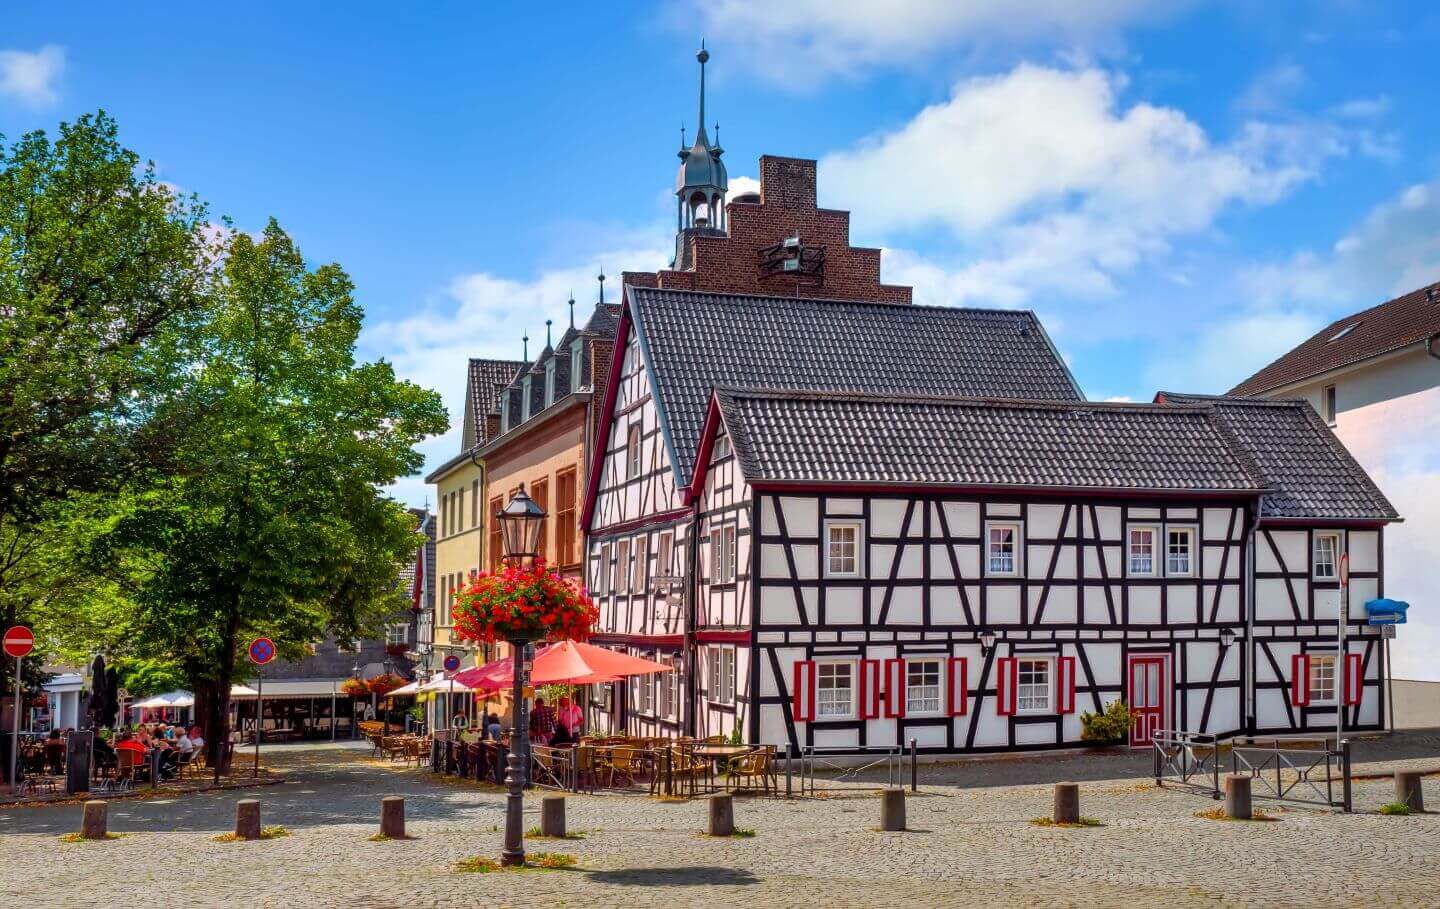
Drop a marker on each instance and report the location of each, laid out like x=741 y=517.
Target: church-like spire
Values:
x=701 y=183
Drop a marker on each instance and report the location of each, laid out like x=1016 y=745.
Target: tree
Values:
x=272 y=521
x=103 y=273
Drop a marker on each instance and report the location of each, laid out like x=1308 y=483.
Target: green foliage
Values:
x=104 y=272
x=553 y=693
x=1109 y=727
x=1397 y=808
x=737 y=735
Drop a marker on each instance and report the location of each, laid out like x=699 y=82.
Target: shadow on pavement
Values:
x=692 y=876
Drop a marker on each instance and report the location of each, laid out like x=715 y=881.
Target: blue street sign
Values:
x=1386 y=612
x=452 y=663
x=262 y=651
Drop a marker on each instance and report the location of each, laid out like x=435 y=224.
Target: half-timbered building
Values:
x=850 y=521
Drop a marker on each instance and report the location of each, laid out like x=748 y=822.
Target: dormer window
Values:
x=505 y=413
x=550 y=382
x=576 y=353
x=525 y=399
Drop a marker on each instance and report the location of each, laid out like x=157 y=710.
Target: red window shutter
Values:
x=894 y=688
x=1354 y=679
x=804 y=693
x=1067 y=685
x=1300 y=680
x=1006 y=671
x=870 y=691
x=959 y=687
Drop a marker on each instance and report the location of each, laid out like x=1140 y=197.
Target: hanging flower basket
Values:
x=384 y=683
x=355 y=688
x=523 y=604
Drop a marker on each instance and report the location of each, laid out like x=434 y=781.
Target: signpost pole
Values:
x=259 y=715
x=15 y=736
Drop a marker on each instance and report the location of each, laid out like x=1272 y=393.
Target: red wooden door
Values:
x=1149 y=693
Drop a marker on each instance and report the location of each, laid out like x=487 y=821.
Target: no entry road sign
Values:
x=452 y=663
x=262 y=651
x=19 y=641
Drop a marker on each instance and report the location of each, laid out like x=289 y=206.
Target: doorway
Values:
x=1149 y=693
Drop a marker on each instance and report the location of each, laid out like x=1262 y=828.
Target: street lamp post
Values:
x=521 y=521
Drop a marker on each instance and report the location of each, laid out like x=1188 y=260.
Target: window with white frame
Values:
x=721 y=450
x=842 y=549
x=550 y=381
x=1002 y=549
x=835 y=690
x=397 y=635
x=666 y=682
x=632 y=358
x=922 y=687
x=1179 y=551
x=722 y=554
x=632 y=452
x=645 y=693
x=525 y=399
x=637 y=574
x=602 y=570
x=620 y=577
x=576 y=352
x=1033 y=684
x=1327 y=556
x=1322 y=678
x=1141 y=552
x=664 y=551
x=722 y=674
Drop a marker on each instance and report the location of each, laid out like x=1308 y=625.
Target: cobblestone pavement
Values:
x=967 y=846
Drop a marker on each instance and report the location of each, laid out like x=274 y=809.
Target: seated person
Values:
x=197 y=741
x=128 y=742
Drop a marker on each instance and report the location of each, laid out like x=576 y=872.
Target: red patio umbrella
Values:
x=567 y=662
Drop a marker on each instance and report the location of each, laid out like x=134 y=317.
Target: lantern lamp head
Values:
x=521 y=521
x=987 y=641
x=1227 y=637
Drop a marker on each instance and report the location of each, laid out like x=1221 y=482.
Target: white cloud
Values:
x=32 y=77
x=1227 y=350
x=800 y=42
x=1049 y=182
x=482 y=314
x=1396 y=248
x=1362 y=108
x=1273 y=89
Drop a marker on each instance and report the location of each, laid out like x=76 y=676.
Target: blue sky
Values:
x=1180 y=189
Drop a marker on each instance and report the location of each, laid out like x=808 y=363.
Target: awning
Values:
x=167 y=700
x=294 y=688
x=566 y=662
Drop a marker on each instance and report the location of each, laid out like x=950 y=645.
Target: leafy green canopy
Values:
x=272 y=522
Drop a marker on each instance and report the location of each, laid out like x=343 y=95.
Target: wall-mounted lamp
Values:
x=1227 y=637
x=987 y=642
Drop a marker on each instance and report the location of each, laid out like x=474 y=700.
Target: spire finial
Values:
x=572 y=309
x=525 y=347
x=702 y=56
x=602 y=286
x=547 y=334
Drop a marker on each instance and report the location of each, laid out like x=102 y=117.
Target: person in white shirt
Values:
x=184 y=744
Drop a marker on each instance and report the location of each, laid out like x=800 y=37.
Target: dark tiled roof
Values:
x=838 y=437
x=1308 y=470
x=696 y=342
x=1403 y=321
x=603 y=320
x=488 y=379
x=407 y=574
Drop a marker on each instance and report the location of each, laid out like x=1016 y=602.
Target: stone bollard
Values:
x=247 y=819
x=93 y=823
x=1237 y=796
x=1408 y=790
x=1067 y=803
x=552 y=816
x=392 y=817
x=892 y=809
x=722 y=816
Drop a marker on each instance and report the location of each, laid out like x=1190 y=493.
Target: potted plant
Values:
x=1110 y=726
x=355 y=688
x=523 y=605
x=384 y=683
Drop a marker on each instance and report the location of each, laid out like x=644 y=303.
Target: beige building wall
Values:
x=549 y=459
x=461 y=520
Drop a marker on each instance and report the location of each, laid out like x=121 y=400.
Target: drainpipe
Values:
x=690 y=657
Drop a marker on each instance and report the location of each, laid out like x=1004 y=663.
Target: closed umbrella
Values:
x=95 y=706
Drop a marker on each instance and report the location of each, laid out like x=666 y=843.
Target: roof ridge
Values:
x=779 y=393
x=888 y=304
x=1238 y=400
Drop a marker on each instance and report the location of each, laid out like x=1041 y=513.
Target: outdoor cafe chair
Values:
x=123 y=777
x=756 y=766
x=621 y=763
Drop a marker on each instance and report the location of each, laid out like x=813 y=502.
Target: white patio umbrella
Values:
x=411 y=688
x=168 y=699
